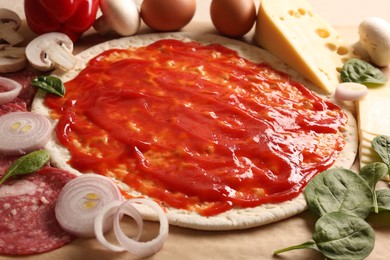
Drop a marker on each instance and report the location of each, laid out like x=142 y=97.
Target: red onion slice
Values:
x=23 y=132
x=350 y=91
x=80 y=202
x=141 y=249
x=104 y=216
x=13 y=89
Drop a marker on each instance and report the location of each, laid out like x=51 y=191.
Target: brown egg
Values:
x=167 y=15
x=233 y=18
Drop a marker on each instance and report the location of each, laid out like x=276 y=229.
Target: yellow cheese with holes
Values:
x=374 y=119
x=303 y=40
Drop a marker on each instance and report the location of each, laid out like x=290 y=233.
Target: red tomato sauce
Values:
x=197 y=127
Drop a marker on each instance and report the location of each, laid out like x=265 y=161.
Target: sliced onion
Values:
x=13 y=88
x=141 y=249
x=106 y=212
x=23 y=132
x=350 y=91
x=81 y=200
x=132 y=245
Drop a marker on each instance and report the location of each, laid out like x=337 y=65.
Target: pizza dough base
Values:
x=238 y=218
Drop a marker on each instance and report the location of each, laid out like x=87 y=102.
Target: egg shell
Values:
x=233 y=18
x=167 y=15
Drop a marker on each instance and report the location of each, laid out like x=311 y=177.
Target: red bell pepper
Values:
x=72 y=17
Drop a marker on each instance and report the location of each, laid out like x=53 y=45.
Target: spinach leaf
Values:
x=339 y=190
x=28 y=163
x=372 y=173
x=383 y=198
x=381 y=145
x=359 y=71
x=340 y=236
x=50 y=84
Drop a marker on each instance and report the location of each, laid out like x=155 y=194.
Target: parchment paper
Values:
x=255 y=243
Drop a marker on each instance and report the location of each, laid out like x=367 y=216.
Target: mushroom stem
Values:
x=12 y=58
x=9 y=24
x=8 y=34
x=8 y=51
x=60 y=56
x=51 y=50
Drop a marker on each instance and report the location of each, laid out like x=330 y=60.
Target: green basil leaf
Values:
x=342 y=236
x=50 y=84
x=383 y=198
x=309 y=244
x=359 y=71
x=372 y=173
x=26 y=164
x=339 y=190
x=381 y=145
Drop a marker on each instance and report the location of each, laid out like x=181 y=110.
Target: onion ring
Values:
x=81 y=200
x=141 y=249
x=350 y=91
x=23 y=132
x=13 y=88
x=108 y=211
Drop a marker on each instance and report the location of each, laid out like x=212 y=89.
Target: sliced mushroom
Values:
x=12 y=58
x=51 y=50
x=9 y=24
x=121 y=16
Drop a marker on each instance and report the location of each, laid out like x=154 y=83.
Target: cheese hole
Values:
x=302 y=11
x=331 y=46
x=323 y=33
x=342 y=50
x=344 y=60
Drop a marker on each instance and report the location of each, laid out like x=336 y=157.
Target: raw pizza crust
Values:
x=241 y=218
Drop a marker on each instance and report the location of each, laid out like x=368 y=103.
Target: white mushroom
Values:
x=12 y=58
x=51 y=50
x=121 y=16
x=9 y=24
x=374 y=34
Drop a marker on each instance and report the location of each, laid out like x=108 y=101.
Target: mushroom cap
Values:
x=121 y=15
x=374 y=34
x=9 y=16
x=39 y=50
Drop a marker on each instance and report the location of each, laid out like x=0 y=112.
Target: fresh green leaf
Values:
x=372 y=173
x=50 y=84
x=359 y=71
x=307 y=245
x=339 y=236
x=339 y=190
x=381 y=145
x=26 y=164
x=342 y=236
x=383 y=198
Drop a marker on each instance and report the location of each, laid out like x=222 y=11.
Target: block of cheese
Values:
x=374 y=119
x=293 y=32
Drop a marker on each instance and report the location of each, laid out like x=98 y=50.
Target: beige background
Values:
x=256 y=243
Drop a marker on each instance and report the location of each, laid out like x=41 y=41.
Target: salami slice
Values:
x=24 y=77
x=28 y=224
x=16 y=105
x=5 y=163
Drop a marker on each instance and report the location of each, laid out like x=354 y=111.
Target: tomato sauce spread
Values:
x=196 y=127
